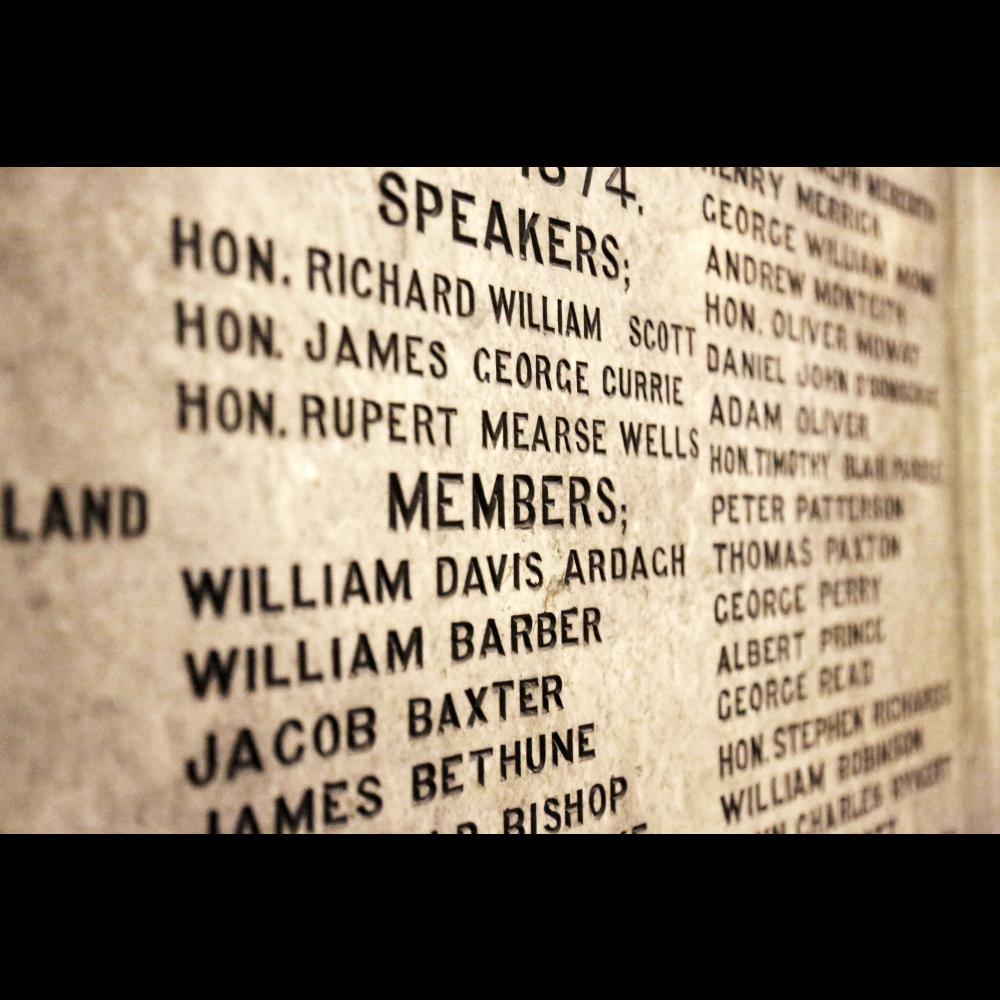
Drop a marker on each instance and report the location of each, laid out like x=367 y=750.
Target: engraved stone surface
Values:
x=504 y=500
